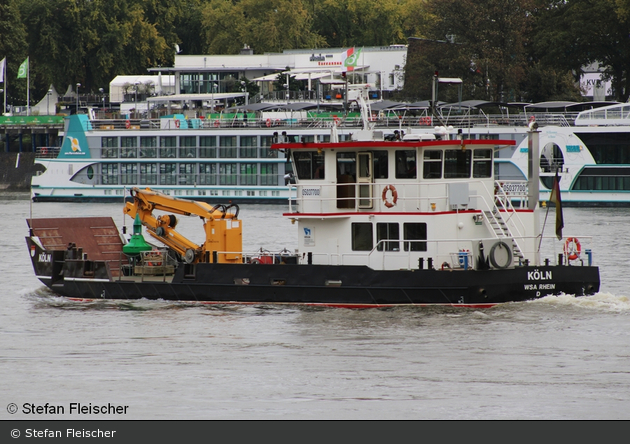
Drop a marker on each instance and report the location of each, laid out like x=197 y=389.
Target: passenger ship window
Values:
x=248 y=147
x=265 y=144
x=227 y=174
x=406 y=164
x=109 y=173
x=207 y=174
x=109 y=147
x=269 y=174
x=128 y=147
x=482 y=163
x=168 y=146
x=227 y=147
x=249 y=174
x=362 y=238
x=148 y=174
x=389 y=234
x=168 y=174
x=187 y=146
x=457 y=164
x=187 y=174
x=128 y=173
x=208 y=146
x=415 y=232
x=309 y=164
x=432 y=164
x=148 y=146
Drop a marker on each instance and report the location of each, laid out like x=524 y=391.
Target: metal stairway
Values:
x=502 y=231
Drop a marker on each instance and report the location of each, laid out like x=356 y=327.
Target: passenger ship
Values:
x=232 y=161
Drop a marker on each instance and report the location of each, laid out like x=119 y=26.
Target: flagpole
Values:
x=28 y=86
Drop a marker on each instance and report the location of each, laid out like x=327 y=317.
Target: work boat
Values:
x=381 y=223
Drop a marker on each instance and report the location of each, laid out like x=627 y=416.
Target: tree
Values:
x=13 y=46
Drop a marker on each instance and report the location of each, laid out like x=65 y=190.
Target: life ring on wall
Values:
x=386 y=202
x=572 y=248
x=336 y=120
x=127 y=124
x=217 y=123
x=176 y=123
x=268 y=123
x=44 y=150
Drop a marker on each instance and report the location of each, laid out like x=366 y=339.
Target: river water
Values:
x=555 y=358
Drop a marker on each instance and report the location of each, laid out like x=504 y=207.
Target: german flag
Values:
x=555 y=198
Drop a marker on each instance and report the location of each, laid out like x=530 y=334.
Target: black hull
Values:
x=342 y=285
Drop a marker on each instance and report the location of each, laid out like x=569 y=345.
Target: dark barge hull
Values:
x=341 y=286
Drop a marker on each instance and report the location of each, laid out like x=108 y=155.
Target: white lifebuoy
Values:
x=572 y=248
x=386 y=201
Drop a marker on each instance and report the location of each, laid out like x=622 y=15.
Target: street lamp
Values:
x=136 y=100
x=48 y=101
x=78 y=85
x=103 y=98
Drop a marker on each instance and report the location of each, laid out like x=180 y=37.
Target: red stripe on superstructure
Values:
x=387 y=144
x=397 y=213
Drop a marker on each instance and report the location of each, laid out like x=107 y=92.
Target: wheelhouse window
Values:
x=482 y=163
x=362 y=238
x=309 y=164
x=387 y=236
x=415 y=232
x=457 y=164
x=432 y=164
x=379 y=159
x=406 y=164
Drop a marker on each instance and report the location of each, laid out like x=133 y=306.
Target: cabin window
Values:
x=128 y=147
x=415 y=232
x=482 y=163
x=432 y=164
x=248 y=147
x=168 y=146
x=457 y=164
x=148 y=174
x=187 y=174
x=265 y=144
x=362 y=239
x=309 y=164
x=207 y=146
x=188 y=146
x=207 y=174
x=148 y=146
x=269 y=174
x=109 y=173
x=109 y=147
x=249 y=174
x=227 y=147
x=168 y=174
x=227 y=174
x=128 y=173
x=380 y=166
x=387 y=236
x=406 y=164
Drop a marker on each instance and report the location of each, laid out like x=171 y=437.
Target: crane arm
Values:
x=222 y=228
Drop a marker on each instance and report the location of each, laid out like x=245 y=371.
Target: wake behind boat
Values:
x=381 y=223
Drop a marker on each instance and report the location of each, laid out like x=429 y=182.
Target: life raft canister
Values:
x=572 y=248
x=387 y=202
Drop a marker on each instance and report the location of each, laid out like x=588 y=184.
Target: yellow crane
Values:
x=224 y=240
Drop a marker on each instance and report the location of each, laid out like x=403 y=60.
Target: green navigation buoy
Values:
x=136 y=244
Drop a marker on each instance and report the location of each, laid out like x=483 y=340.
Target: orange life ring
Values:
x=176 y=123
x=127 y=124
x=572 y=248
x=387 y=203
x=44 y=150
x=336 y=120
x=217 y=123
x=268 y=123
